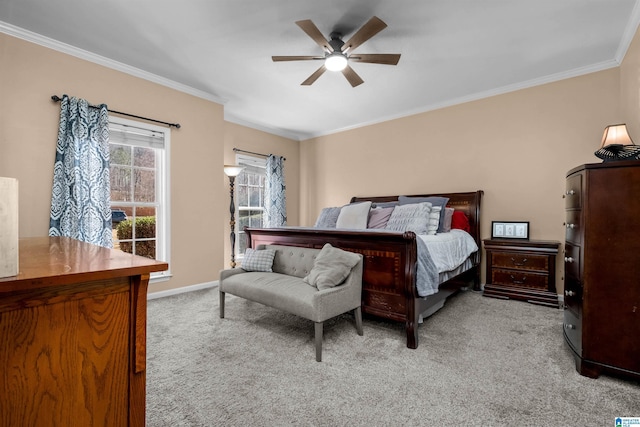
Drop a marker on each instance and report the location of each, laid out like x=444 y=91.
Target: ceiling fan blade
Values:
x=313 y=77
x=294 y=58
x=352 y=76
x=368 y=30
x=376 y=58
x=312 y=31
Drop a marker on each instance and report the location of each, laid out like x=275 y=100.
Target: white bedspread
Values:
x=449 y=250
x=439 y=253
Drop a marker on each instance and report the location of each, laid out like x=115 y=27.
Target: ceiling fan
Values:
x=338 y=54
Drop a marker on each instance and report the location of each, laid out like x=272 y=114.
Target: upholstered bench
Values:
x=316 y=284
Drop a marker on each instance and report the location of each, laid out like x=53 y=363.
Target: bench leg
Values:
x=222 y=305
x=318 y=328
x=358 y=315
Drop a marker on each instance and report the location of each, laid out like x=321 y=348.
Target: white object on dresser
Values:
x=8 y=227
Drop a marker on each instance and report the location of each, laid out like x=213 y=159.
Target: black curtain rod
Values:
x=237 y=150
x=56 y=98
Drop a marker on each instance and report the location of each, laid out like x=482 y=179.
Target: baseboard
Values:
x=176 y=291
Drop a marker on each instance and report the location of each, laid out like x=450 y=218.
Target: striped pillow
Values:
x=258 y=260
x=413 y=217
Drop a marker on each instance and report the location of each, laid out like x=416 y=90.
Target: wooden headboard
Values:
x=469 y=203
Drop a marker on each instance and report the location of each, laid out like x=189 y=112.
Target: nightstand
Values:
x=522 y=269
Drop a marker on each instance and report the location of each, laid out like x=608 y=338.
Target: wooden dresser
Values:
x=602 y=268
x=522 y=269
x=73 y=336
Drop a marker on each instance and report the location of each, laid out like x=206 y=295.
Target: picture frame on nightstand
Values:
x=510 y=230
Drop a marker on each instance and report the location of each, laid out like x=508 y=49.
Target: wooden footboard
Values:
x=389 y=269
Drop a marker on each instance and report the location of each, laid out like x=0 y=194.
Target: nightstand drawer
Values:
x=520 y=261
x=519 y=278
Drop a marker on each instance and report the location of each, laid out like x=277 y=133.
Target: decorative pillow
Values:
x=412 y=217
x=258 y=260
x=434 y=218
x=328 y=217
x=448 y=215
x=460 y=221
x=331 y=267
x=434 y=200
x=379 y=217
x=354 y=216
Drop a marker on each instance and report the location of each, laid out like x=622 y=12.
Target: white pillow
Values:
x=413 y=217
x=354 y=216
x=434 y=220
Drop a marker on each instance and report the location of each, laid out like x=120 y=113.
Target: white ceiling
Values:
x=452 y=50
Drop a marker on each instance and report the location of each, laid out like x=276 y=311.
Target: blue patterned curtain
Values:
x=80 y=198
x=275 y=202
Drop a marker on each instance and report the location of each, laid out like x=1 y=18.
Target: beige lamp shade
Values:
x=616 y=135
x=617 y=145
x=232 y=170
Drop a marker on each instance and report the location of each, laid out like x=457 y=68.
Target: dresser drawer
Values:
x=572 y=261
x=519 y=278
x=573 y=194
x=573 y=227
x=520 y=261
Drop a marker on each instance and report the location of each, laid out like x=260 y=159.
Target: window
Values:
x=139 y=190
x=249 y=196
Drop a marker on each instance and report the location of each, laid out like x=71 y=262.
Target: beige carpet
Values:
x=481 y=362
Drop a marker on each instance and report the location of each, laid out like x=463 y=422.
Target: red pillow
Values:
x=460 y=221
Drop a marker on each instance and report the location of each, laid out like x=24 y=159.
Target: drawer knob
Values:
x=569 y=293
x=569 y=326
x=519 y=263
x=516 y=281
x=568 y=259
x=570 y=225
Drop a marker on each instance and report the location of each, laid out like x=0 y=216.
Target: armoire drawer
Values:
x=573 y=227
x=572 y=326
x=573 y=194
x=572 y=261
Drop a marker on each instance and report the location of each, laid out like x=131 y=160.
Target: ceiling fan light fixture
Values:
x=336 y=61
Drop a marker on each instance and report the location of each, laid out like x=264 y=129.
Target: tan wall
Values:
x=30 y=74
x=248 y=139
x=516 y=147
x=630 y=89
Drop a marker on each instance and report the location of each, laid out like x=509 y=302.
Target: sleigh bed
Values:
x=390 y=270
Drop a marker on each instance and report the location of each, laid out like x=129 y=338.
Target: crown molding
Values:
x=68 y=49
x=576 y=72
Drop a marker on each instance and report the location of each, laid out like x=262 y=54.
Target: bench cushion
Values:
x=281 y=291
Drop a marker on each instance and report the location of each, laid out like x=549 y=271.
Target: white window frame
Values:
x=163 y=231
x=259 y=162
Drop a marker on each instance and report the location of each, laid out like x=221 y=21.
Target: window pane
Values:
x=145 y=157
x=121 y=224
x=241 y=196
x=145 y=188
x=146 y=248
x=253 y=179
x=255 y=196
x=120 y=184
x=120 y=155
x=242 y=242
